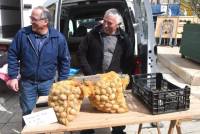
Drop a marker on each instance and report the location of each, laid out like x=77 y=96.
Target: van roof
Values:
x=80 y=9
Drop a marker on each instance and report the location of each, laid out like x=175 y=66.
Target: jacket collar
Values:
x=28 y=31
x=99 y=29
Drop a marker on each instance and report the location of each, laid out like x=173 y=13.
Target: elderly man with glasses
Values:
x=35 y=53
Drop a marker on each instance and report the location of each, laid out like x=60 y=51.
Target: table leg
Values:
x=140 y=129
x=158 y=128
x=178 y=127
x=171 y=126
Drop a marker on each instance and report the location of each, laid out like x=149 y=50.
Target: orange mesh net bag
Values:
x=108 y=92
x=66 y=98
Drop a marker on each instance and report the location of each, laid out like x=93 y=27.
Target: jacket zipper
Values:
x=38 y=58
x=33 y=46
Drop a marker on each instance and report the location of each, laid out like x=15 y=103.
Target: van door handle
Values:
x=136 y=27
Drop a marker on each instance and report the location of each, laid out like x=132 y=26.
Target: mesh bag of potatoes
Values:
x=105 y=92
x=66 y=98
x=108 y=93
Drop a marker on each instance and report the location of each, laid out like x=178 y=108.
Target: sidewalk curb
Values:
x=187 y=76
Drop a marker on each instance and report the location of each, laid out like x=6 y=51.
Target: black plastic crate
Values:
x=159 y=95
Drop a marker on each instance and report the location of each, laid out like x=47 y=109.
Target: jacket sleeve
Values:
x=82 y=56
x=63 y=59
x=14 y=56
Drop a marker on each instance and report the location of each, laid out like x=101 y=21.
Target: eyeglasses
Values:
x=35 y=19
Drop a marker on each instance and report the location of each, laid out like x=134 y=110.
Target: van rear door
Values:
x=26 y=9
x=144 y=30
x=54 y=7
x=10 y=22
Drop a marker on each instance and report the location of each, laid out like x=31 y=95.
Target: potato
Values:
x=55 y=98
x=61 y=109
x=97 y=97
x=112 y=102
x=114 y=90
x=56 y=92
x=71 y=103
x=63 y=97
x=112 y=97
x=97 y=90
x=101 y=105
x=115 y=106
x=103 y=98
x=65 y=103
x=56 y=108
x=66 y=92
x=52 y=104
x=73 y=112
x=108 y=105
x=71 y=97
x=70 y=117
x=63 y=114
x=103 y=91
x=58 y=114
x=121 y=110
x=63 y=121
x=109 y=90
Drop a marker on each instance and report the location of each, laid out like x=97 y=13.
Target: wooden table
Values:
x=89 y=118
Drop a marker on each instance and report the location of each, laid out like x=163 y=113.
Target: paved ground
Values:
x=187 y=69
x=10 y=112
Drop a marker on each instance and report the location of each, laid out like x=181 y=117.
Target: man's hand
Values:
x=13 y=84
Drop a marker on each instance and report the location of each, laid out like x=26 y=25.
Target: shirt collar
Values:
x=42 y=36
x=105 y=34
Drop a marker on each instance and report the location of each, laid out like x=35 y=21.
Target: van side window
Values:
x=52 y=9
x=71 y=28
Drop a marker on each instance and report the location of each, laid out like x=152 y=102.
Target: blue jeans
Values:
x=29 y=92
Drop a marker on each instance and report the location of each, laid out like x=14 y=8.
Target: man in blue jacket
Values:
x=36 y=52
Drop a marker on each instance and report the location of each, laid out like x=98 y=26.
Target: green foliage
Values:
x=195 y=4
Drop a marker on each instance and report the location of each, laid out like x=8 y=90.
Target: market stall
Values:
x=138 y=114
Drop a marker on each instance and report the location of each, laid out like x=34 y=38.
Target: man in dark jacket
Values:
x=36 y=52
x=106 y=48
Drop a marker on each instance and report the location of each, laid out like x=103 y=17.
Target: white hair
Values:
x=45 y=13
x=114 y=12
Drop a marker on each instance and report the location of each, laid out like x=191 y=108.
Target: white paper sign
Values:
x=43 y=117
x=163 y=8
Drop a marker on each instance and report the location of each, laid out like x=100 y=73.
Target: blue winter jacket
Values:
x=38 y=66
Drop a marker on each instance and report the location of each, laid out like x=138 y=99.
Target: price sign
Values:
x=43 y=117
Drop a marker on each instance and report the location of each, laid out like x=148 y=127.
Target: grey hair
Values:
x=114 y=12
x=45 y=13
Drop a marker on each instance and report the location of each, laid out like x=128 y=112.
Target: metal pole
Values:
x=168 y=8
